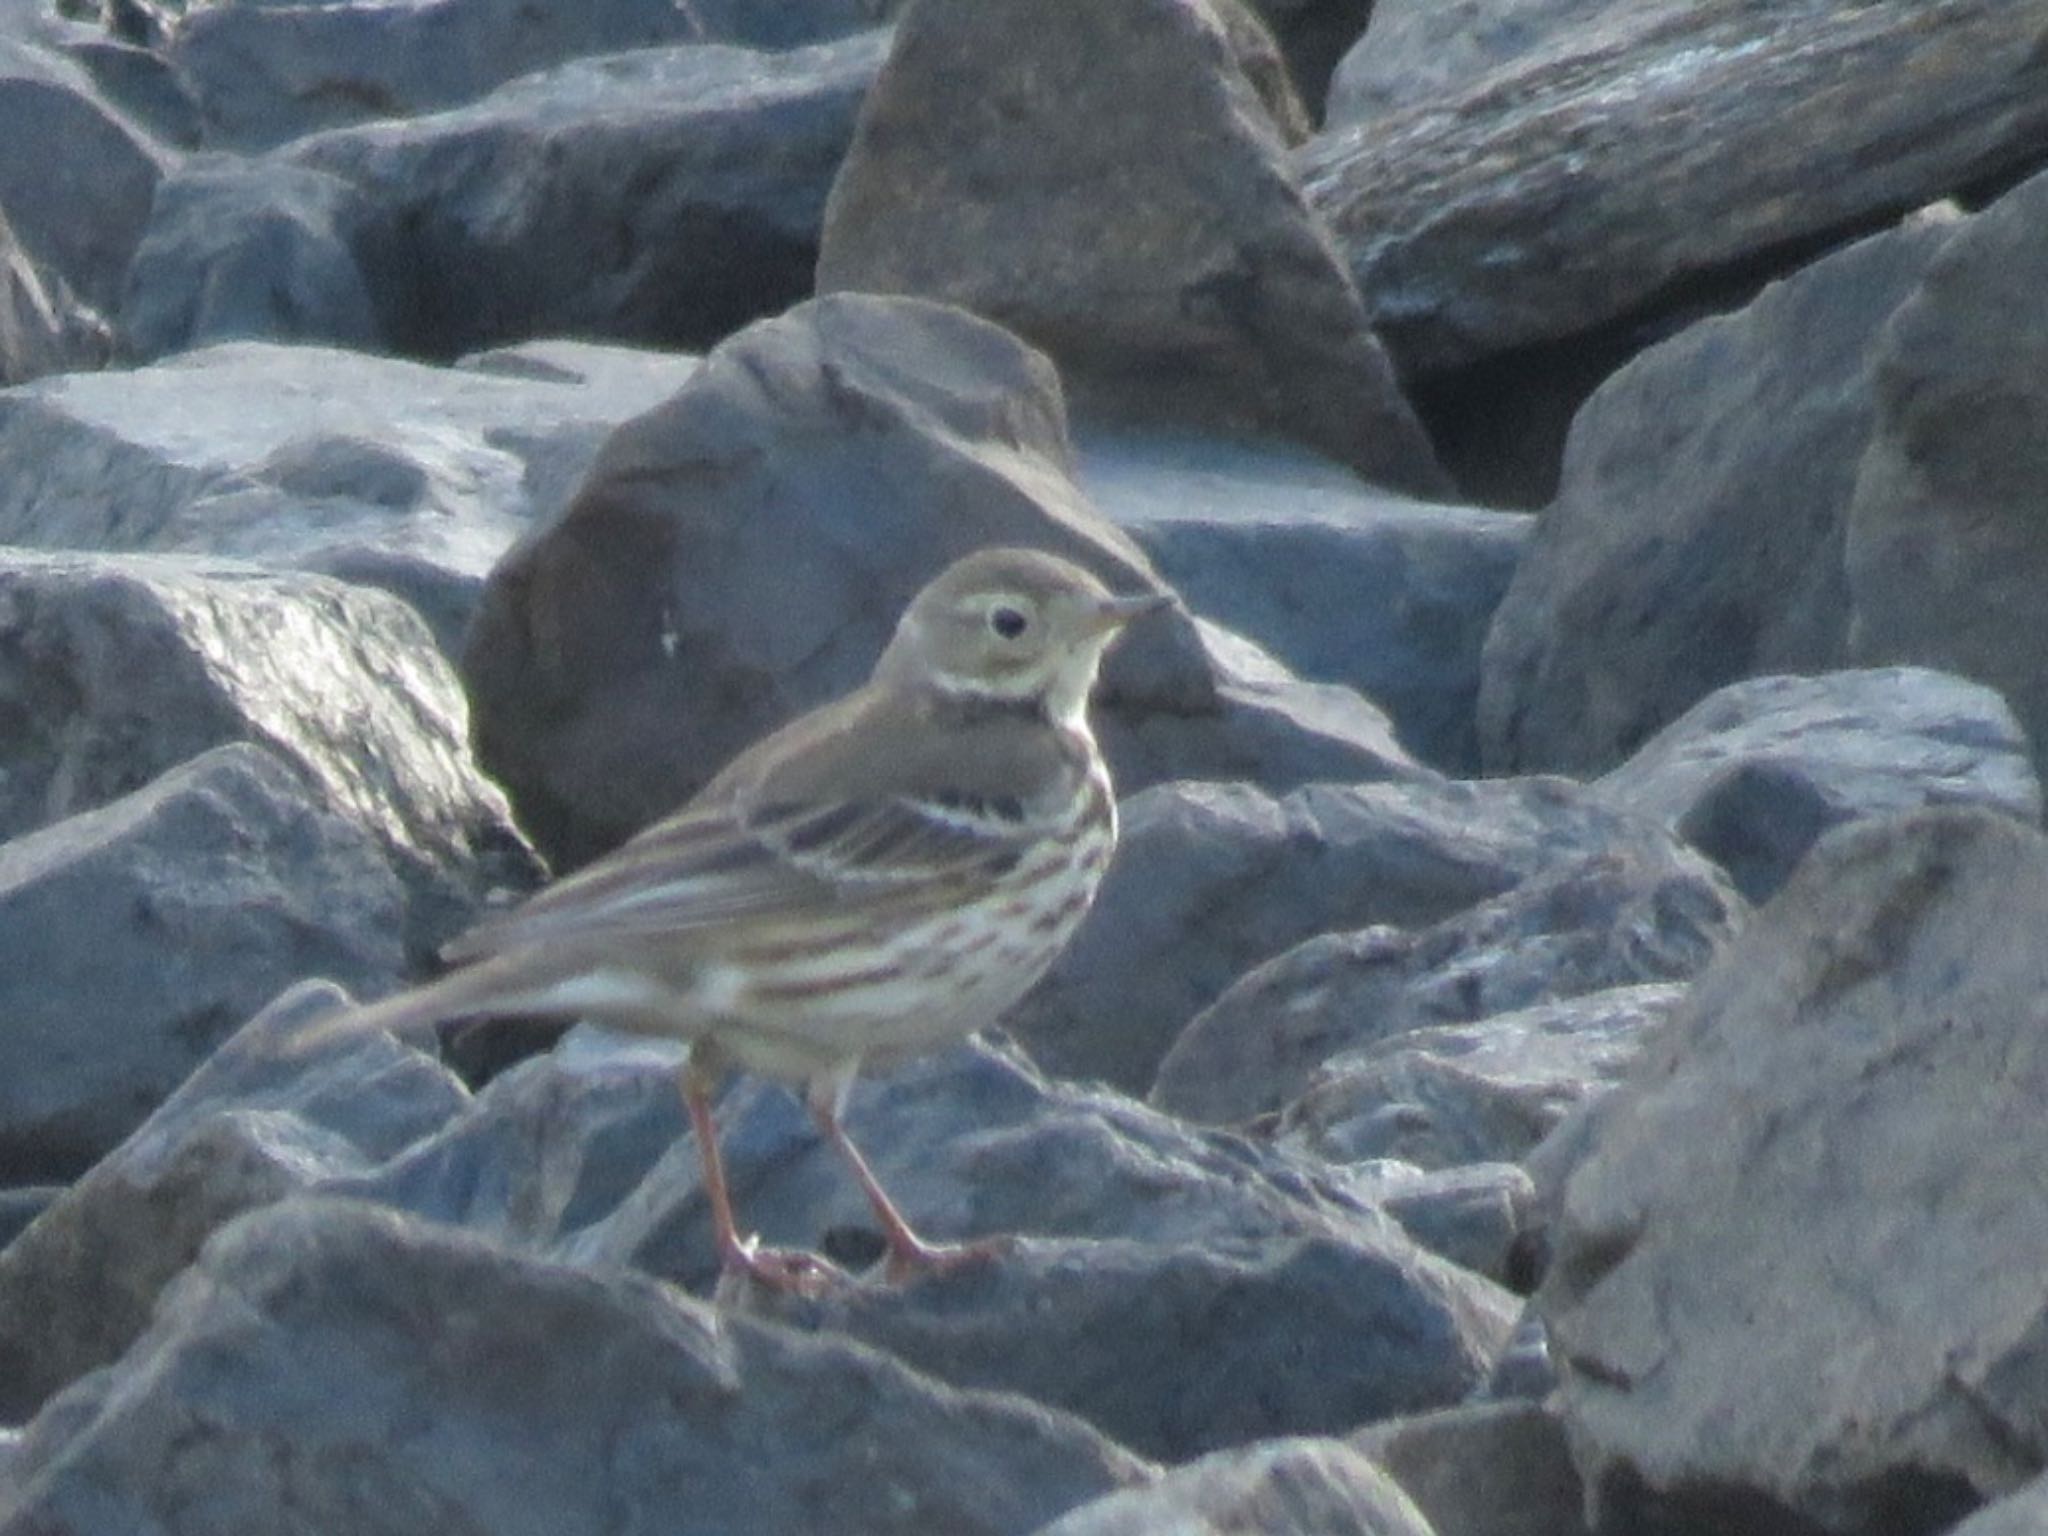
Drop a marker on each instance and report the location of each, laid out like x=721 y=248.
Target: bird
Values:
x=873 y=881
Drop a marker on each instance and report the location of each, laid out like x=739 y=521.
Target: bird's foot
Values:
x=912 y=1259
x=780 y=1271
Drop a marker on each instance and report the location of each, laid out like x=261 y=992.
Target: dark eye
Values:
x=1007 y=621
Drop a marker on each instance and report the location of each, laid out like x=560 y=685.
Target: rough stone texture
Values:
x=42 y=328
x=1313 y=35
x=1453 y=1094
x=1417 y=52
x=743 y=552
x=1474 y=1214
x=240 y=249
x=263 y=74
x=1496 y=1469
x=1294 y=1487
x=663 y=197
x=1159 y=1347
x=1826 y=1162
x=410 y=478
x=139 y=935
x=1213 y=879
x=1612 y=919
x=76 y=177
x=1753 y=773
x=1946 y=553
x=250 y=1126
x=2024 y=1513
x=115 y=668
x=1697 y=534
x=1342 y=583
x=326 y=1366
x=1580 y=185
x=1111 y=189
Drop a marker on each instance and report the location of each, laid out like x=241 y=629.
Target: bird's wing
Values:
x=744 y=863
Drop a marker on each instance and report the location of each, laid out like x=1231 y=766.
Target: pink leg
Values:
x=777 y=1269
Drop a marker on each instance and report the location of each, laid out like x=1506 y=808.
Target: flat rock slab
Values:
x=1798 y=1257
x=1578 y=185
x=329 y=1366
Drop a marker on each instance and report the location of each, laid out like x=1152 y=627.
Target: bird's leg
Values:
x=909 y=1254
x=778 y=1269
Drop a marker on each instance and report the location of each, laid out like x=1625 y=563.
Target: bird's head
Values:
x=1011 y=624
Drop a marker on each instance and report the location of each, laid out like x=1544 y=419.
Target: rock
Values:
x=1697 y=534
x=288 y=1378
x=789 y=23
x=1174 y=1350
x=1641 y=910
x=1472 y=1215
x=1342 y=583
x=43 y=329
x=252 y=1125
x=742 y=553
x=137 y=936
x=1292 y=1487
x=1111 y=189
x=123 y=666
x=263 y=74
x=663 y=197
x=1753 y=773
x=249 y=249
x=1451 y=1094
x=1797 y=1265
x=1313 y=35
x=392 y=474
x=1635 y=160
x=2019 y=1514
x=76 y=177
x=20 y=1206
x=1943 y=548
x=137 y=82
x=1416 y=53
x=1497 y=1469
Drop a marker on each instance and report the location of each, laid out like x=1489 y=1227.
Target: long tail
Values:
x=492 y=988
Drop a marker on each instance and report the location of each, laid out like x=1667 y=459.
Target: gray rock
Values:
x=1498 y=1469
x=76 y=177
x=252 y=1125
x=1313 y=35
x=249 y=249
x=1294 y=1487
x=665 y=197
x=742 y=553
x=1110 y=187
x=1640 y=909
x=392 y=474
x=2024 y=1513
x=1342 y=583
x=137 y=936
x=1473 y=1215
x=1580 y=185
x=1944 y=549
x=1417 y=52
x=43 y=329
x=1178 y=1350
x=122 y=666
x=789 y=23
x=1796 y=1269
x=20 y=1206
x=263 y=74
x=328 y=1366
x=1697 y=534
x=1753 y=773
x=140 y=84
x=1453 y=1094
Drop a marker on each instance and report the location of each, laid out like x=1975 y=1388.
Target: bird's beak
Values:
x=1112 y=614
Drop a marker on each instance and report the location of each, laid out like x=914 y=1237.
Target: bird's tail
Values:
x=476 y=992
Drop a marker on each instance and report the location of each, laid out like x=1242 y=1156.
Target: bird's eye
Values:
x=1007 y=621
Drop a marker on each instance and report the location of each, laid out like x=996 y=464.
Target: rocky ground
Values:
x=1561 y=1047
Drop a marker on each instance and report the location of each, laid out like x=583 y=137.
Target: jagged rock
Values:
x=1697 y=534
x=1111 y=188
x=1494 y=1469
x=1824 y=1162
x=137 y=936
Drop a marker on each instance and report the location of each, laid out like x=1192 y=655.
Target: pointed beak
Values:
x=1114 y=613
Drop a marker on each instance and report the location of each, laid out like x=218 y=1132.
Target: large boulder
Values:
x=1104 y=180
x=1697 y=534
x=1946 y=545
x=1658 y=148
x=328 y=1366
x=1797 y=1256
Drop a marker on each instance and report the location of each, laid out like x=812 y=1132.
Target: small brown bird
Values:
x=877 y=879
